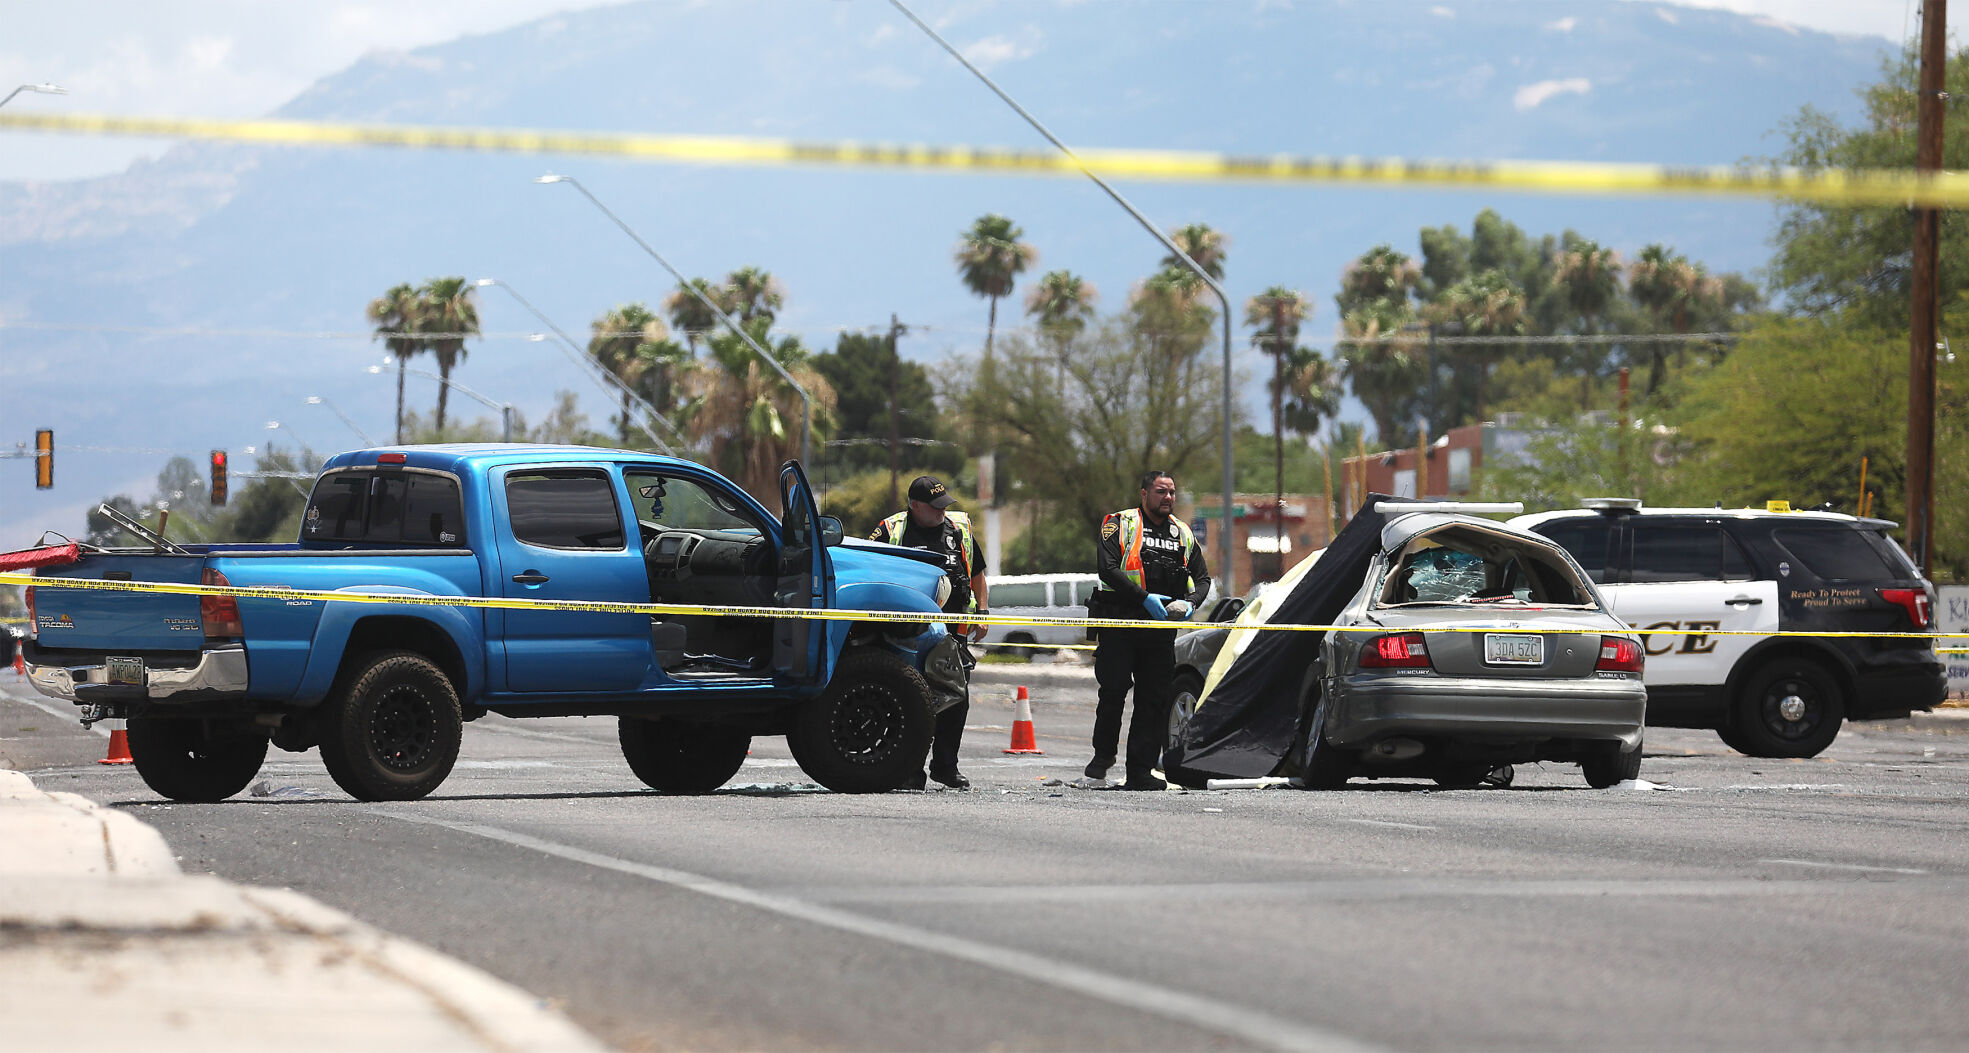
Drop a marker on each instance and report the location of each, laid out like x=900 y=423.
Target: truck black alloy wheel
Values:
x=681 y=757
x=870 y=730
x=391 y=728
x=1189 y=688
x=1606 y=766
x=180 y=760
x=1789 y=708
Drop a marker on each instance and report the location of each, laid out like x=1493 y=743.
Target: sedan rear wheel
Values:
x=1189 y=688
x=1607 y=766
x=1324 y=765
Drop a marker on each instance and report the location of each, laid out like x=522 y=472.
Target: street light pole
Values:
x=601 y=376
x=317 y=400
x=807 y=400
x=505 y=408
x=307 y=453
x=1228 y=573
x=44 y=89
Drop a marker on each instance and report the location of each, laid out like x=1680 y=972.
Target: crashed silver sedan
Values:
x=1458 y=645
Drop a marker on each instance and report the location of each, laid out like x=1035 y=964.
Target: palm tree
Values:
x=1671 y=289
x=1589 y=276
x=745 y=412
x=1313 y=385
x=989 y=259
x=689 y=315
x=1062 y=303
x=633 y=344
x=752 y=293
x=1276 y=314
x=1201 y=243
x=1380 y=275
x=395 y=315
x=448 y=315
x=1385 y=361
x=1485 y=304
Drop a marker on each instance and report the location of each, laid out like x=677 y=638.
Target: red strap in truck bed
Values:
x=45 y=556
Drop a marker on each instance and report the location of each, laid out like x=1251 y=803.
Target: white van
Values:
x=1047 y=595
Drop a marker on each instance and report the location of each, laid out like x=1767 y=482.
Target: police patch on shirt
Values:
x=1109 y=529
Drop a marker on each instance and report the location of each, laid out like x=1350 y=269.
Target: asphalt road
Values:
x=1738 y=904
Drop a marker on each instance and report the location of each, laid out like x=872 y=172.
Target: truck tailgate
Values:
x=117 y=622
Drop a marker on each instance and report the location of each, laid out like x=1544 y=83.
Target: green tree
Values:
x=1674 y=292
x=395 y=315
x=860 y=370
x=633 y=344
x=1276 y=315
x=989 y=260
x=688 y=313
x=1837 y=257
x=746 y=414
x=753 y=294
x=446 y=316
x=1587 y=276
x=1202 y=243
x=1062 y=303
x=1486 y=304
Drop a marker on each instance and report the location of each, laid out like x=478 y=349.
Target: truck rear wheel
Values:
x=680 y=757
x=391 y=729
x=870 y=730
x=189 y=760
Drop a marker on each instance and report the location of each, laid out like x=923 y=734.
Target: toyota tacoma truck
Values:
x=208 y=682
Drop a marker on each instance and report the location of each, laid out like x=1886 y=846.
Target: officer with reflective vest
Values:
x=929 y=524
x=1151 y=568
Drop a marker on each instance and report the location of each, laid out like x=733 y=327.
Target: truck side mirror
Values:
x=831 y=531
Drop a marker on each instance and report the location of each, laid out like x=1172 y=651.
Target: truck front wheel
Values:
x=680 y=757
x=870 y=730
x=391 y=729
x=187 y=760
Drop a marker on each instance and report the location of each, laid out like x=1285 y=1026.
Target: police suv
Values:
x=1697 y=575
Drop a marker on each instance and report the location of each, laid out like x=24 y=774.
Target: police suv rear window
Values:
x=1685 y=552
x=1590 y=541
x=402 y=507
x=1836 y=553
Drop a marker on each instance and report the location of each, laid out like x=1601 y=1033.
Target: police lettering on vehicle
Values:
x=1677 y=642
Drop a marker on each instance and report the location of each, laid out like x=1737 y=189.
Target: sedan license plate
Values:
x=125 y=671
x=1502 y=649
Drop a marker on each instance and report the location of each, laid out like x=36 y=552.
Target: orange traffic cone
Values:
x=119 y=746
x=1022 y=740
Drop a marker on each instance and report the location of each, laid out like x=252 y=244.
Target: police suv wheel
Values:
x=1791 y=707
x=189 y=760
x=870 y=730
x=680 y=757
x=391 y=728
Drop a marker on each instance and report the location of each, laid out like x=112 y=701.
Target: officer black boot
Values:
x=951 y=777
x=1098 y=767
x=1144 y=782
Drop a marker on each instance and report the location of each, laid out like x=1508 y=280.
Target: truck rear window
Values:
x=402 y=507
x=1837 y=554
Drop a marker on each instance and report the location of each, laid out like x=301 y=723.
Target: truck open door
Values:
x=805 y=581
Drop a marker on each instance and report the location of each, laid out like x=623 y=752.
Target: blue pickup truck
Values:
x=206 y=683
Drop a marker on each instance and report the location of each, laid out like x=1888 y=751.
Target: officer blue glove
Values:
x=1153 y=603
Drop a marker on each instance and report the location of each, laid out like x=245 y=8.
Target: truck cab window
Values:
x=564 y=508
x=403 y=507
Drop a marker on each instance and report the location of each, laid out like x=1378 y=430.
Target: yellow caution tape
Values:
x=1833 y=187
x=266 y=592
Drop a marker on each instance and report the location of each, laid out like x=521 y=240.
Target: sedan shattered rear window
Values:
x=1461 y=564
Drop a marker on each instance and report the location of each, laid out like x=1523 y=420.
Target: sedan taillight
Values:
x=1619 y=655
x=219 y=613
x=1396 y=651
x=1913 y=601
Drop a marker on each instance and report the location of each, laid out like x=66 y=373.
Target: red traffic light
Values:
x=218 y=477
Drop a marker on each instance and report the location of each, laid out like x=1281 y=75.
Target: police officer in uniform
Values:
x=929 y=524
x=1149 y=563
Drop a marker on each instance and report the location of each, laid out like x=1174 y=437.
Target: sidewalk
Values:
x=105 y=945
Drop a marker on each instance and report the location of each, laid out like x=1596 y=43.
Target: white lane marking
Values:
x=1249 y=1025
x=500 y=765
x=1384 y=822
x=49 y=708
x=1329 y=890
x=1843 y=866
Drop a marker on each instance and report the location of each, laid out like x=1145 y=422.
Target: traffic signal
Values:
x=218 y=477
x=44 y=459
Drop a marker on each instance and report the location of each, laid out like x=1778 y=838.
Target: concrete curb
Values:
x=996 y=678
x=105 y=945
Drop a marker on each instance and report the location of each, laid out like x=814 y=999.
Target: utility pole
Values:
x=896 y=329
x=1921 y=334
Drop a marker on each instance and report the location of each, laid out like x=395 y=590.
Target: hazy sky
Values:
x=237 y=58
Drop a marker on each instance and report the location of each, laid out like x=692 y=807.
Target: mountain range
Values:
x=181 y=305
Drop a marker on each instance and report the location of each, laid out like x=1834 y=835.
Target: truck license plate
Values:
x=125 y=671
x=1501 y=649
